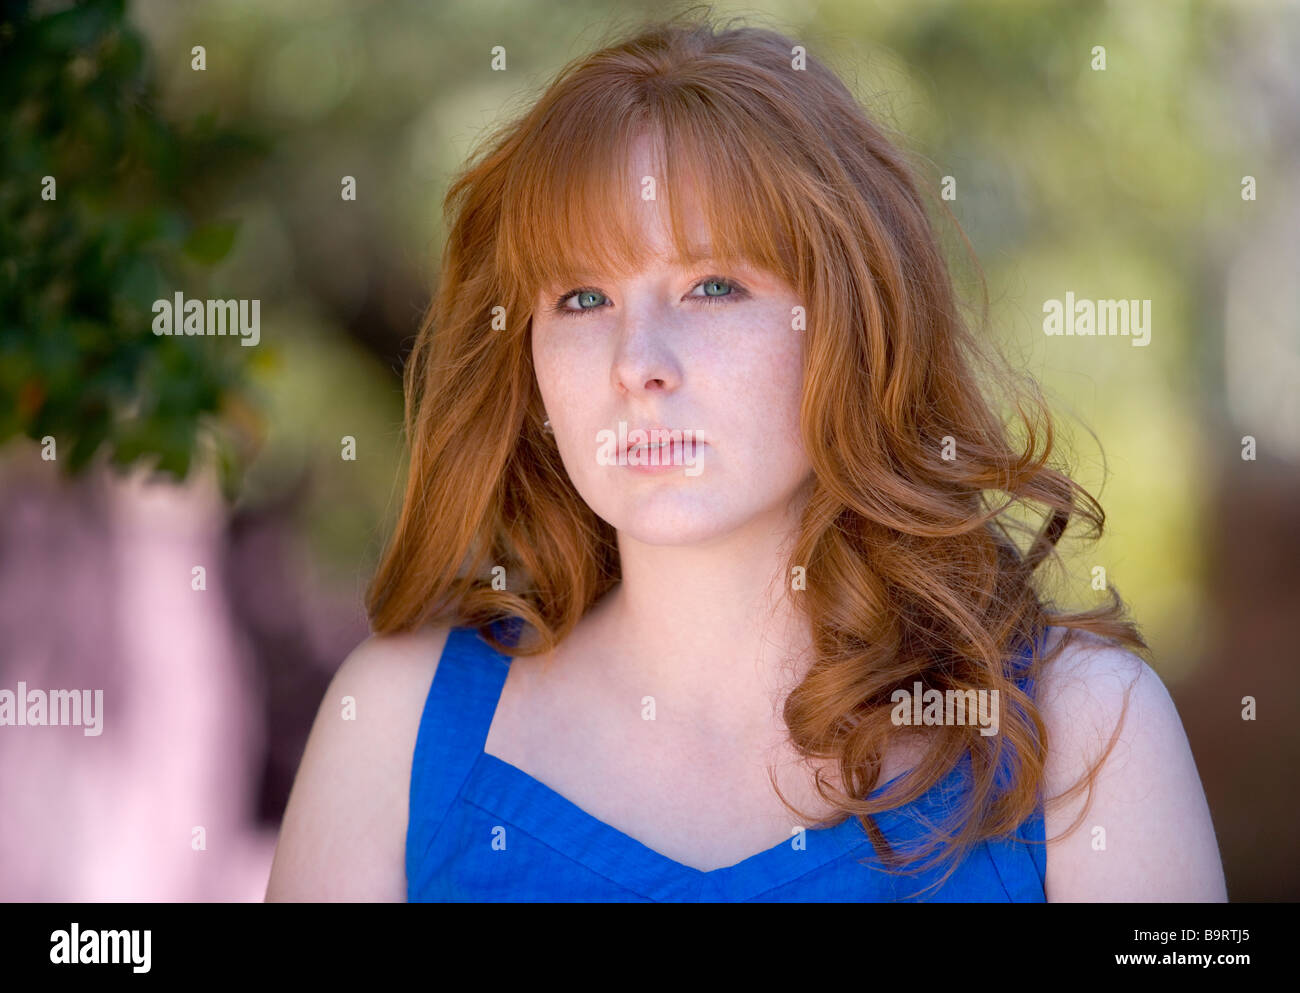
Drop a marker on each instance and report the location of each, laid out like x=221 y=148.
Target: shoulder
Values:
x=385 y=663
x=1144 y=832
x=343 y=833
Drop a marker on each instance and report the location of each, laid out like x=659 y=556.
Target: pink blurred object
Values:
x=96 y=593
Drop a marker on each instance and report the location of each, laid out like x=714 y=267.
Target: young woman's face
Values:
x=707 y=350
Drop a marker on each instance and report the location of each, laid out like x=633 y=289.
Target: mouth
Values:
x=671 y=448
x=648 y=455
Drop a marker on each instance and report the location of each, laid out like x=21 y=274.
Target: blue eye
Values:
x=583 y=295
x=729 y=290
x=729 y=287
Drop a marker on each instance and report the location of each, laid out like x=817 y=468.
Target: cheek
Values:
x=543 y=362
x=554 y=366
x=755 y=389
x=564 y=343
x=571 y=381
x=763 y=363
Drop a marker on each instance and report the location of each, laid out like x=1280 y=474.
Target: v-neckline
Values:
x=504 y=789
x=556 y=821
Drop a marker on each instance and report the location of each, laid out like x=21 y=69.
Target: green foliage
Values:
x=212 y=242
x=79 y=272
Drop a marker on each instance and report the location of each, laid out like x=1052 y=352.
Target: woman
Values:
x=799 y=656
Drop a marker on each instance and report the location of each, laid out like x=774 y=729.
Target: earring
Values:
x=546 y=427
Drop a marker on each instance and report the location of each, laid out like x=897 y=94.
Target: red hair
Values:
x=912 y=571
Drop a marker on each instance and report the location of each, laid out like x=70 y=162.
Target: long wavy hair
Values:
x=913 y=568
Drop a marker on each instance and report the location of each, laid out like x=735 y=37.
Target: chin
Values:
x=668 y=519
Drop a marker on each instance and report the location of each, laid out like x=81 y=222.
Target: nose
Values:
x=644 y=360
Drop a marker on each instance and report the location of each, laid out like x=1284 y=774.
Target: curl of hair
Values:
x=913 y=574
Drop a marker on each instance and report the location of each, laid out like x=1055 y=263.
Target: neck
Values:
x=711 y=630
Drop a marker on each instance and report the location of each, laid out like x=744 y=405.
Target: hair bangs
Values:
x=576 y=208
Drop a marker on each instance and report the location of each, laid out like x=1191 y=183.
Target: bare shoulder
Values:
x=1146 y=832
x=344 y=830
x=395 y=660
x=1090 y=680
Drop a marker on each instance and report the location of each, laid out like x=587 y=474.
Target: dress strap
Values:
x=1031 y=835
x=453 y=729
x=1024 y=660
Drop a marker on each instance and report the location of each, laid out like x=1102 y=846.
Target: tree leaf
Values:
x=210 y=243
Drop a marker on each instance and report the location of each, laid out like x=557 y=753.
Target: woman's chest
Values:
x=705 y=801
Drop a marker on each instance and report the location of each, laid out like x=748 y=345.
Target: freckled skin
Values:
x=652 y=351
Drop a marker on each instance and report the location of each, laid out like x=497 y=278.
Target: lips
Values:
x=662 y=438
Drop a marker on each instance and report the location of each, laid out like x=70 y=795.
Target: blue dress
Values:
x=483 y=830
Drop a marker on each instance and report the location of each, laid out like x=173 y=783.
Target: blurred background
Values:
x=203 y=147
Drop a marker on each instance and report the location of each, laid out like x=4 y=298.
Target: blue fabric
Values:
x=462 y=798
